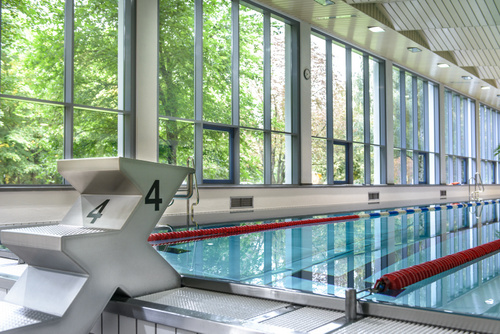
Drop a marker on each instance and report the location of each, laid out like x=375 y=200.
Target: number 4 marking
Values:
x=156 y=200
x=97 y=212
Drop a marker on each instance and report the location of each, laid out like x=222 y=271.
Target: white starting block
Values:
x=100 y=247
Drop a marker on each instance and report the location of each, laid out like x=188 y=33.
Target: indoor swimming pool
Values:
x=326 y=259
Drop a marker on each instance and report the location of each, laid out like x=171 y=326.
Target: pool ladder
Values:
x=478 y=187
x=192 y=188
x=474 y=195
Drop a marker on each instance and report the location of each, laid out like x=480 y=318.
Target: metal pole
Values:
x=350 y=305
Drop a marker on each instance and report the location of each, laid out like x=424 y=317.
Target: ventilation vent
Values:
x=241 y=202
x=373 y=196
x=443 y=193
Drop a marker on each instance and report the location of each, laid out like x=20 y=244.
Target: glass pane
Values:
x=409 y=111
x=397 y=166
x=318 y=86
x=251 y=68
x=176 y=59
x=280 y=76
x=96 y=53
x=420 y=114
x=281 y=158
x=375 y=163
x=422 y=169
x=339 y=163
x=463 y=142
x=454 y=113
x=216 y=155
x=33 y=49
x=217 y=61
x=251 y=157
x=432 y=168
x=374 y=102
x=176 y=142
x=433 y=127
x=358 y=164
x=357 y=98
x=339 y=92
x=409 y=167
x=319 y=161
x=95 y=134
x=447 y=127
x=396 y=103
x=31 y=141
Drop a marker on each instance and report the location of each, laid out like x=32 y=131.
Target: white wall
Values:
x=269 y=202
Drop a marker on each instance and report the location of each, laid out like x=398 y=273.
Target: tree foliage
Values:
x=33 y=66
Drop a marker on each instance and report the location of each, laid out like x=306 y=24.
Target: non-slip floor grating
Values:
x=304 y=319
x=372 y=325
x=14 y=316
x=215 y=303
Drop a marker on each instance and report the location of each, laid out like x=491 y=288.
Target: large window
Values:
x=225 y=85
x=490 y=140
x=346 y=114
x=460 y=137
x=62 y=91
x=416 y=129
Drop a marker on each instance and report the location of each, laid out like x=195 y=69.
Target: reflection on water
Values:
x=326 y=259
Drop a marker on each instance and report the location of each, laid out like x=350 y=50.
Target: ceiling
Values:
x=464 y=34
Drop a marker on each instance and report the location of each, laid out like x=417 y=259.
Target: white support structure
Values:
x=100 y=247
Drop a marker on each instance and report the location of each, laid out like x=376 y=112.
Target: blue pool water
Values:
x=327 y=259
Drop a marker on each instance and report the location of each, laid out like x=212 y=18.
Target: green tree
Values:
x=32 y=58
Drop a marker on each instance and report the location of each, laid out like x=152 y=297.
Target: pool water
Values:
x=328 y=258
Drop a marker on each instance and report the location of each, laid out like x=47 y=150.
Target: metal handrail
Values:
x=478 y=186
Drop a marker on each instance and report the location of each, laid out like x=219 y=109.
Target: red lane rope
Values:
x=233 y=230
x=402 y=278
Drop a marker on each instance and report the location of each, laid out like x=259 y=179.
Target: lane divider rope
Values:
x=157 y=239
x=402 y=278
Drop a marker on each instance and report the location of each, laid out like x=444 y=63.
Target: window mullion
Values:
x=198 y=88
x=69 y=52
x=426 y=116
x=366 y=117
x=235 y=61
x=414 y=100
x=267 y=99
x=329 y=113
x=235 y=100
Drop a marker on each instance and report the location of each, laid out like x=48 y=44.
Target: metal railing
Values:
x=478 y=187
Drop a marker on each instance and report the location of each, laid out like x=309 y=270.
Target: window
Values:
x=226 y=93
x=459 y=138
x=416 y=129
x=63 y=92
x=490 y=126
x=346 y=114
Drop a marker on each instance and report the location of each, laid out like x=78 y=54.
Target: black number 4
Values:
x=97 y=212
x=156 y=200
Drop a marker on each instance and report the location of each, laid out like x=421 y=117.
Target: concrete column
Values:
x=147 y=80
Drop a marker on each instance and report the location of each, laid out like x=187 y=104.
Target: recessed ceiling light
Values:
x=413 y=49
x=485 y=87
x=443 y=65
x=376 y=29
x=325 y=2
x=335 y=17
x=466 y=77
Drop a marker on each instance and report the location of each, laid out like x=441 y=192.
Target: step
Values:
x=15 y=317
